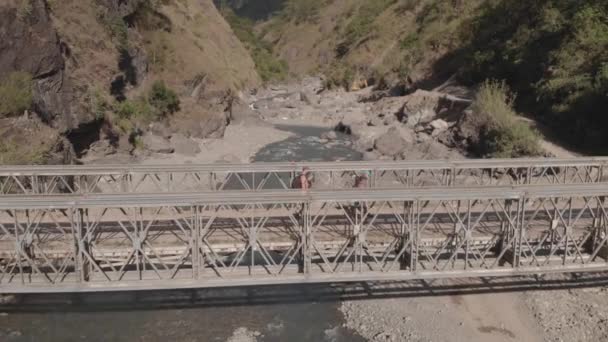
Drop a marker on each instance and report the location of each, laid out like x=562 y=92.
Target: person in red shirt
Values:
x=305 y=179
x=304 y=182
x=361 y=182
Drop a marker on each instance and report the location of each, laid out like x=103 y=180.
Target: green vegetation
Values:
x=119 y=31
x=12 y=154
x=159 y=51
x=339 y=75
x=163 y=100
x=15 y=93
x=158 y=103
x=502 y=135
x=267 y=65
x=118 y=28
x=302 y=11
x=25 y=9
x=552 y=52
x=361 y=24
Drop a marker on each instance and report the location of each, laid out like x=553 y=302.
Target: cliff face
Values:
x=29 y=42
x=85 y=55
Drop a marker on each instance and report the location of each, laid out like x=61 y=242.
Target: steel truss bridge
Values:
x=486 y=219
x=330 y=175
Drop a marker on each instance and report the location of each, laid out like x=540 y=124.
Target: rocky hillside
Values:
x=74 y=72
x=552 y=53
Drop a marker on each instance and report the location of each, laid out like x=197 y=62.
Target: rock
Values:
x=135 y=65
x=423 y=137
x=243 y=334
x=370 y=156
x=438 y=126
x=206 y=125
x=306 y=97
x=160 y=129
x=331 y=135
x=391 y=143
x=365 y=136
x=156 y=144
x=240 y=112
x=8 y=299
x=388 y=107
x=420 y=117
x=183 y=145
x=101 y=148
x=229 y=159
x=32 y=45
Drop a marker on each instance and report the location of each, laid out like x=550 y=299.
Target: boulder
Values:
x=156 y=144
x=420 y=117
x=101 y=148
x=370 y=156
x=184 y=145
x=365 y=136
x=31 y=44
x=202 y=125
x=240 y=111
x=438 y=126
x=423 y=137
x=390 y=143
x=388 y=107
x=331 y=135
x=306 y=97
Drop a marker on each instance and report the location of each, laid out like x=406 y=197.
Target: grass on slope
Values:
x=269 y=67
x=502 y=134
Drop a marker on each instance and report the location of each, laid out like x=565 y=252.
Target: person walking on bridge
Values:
x=303 y=180
x=359 y=209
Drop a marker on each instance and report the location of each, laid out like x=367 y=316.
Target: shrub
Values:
x=339 y=76
x=163 y=99
x=502 y=135
x=553 y=54
x=302 y=11
x=159 y=102
x=362 y=24
x=15 y=93
x=133 y=109
x=267 y=65
x=12 y=154
x=25 y=9
x=117 y=28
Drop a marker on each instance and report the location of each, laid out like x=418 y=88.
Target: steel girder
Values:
x=338 y=175
x=119 y=242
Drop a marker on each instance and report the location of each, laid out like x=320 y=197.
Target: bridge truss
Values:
x=106 y=242
x=335 y=175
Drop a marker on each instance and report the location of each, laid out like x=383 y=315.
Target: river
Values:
x=267 y=314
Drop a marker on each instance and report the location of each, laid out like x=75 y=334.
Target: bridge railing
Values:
x=106 y=242
x=335 y=175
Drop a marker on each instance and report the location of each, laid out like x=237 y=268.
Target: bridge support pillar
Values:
x=600 y=227
x=81 y=246
x=305 y=257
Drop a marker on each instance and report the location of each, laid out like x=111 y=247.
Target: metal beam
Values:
x=108 y=242
x=333 y=175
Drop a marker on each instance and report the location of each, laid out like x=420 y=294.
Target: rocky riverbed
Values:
x=422 y=125
x=300 y=121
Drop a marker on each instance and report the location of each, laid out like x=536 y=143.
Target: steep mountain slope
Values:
x=552 y=53
x=86 y=58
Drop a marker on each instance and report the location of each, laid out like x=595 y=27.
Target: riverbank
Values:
x=274 y=125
